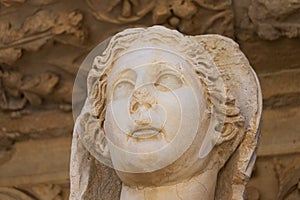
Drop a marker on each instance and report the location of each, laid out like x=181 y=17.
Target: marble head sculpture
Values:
x=167 y=116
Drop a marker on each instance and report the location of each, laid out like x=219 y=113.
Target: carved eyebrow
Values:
x=123 y=81
x=171 y=72
x=175 y=68
x=128 y=74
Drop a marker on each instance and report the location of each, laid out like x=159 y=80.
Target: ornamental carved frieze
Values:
x=188 y=16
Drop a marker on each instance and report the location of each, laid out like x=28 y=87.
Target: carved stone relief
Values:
x=42 y=43
x=288 y=179
x=9 y=3
x=17 y=90
x=276 y=18
x=34 y=192
x=36 y=30
x=275 y=177
x=269 y=20
x=188 y=16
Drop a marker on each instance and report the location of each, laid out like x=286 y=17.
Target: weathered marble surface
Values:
x=176 y=116
x=40 y=58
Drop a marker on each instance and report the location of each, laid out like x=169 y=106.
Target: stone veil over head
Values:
x=166 y=116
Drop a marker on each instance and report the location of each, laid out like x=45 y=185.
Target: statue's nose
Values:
x=140 y=106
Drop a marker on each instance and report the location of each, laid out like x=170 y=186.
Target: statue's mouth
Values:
x=145 y=132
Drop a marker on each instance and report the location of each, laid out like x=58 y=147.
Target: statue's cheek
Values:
x=117 y=121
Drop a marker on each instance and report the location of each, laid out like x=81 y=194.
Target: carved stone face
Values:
x=154 y=100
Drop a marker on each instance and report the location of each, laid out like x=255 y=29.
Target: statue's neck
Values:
x=198 y=187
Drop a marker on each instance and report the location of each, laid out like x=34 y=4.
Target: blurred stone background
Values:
x=43 y=42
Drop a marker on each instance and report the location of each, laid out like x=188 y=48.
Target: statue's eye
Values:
x=168 y=82
x=123 y=89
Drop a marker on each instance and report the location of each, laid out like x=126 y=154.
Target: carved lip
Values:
x=145 y=132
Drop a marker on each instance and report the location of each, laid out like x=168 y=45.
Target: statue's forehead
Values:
x=149 y=57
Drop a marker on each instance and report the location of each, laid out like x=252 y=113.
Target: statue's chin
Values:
x=138 y=173
x=135 y=162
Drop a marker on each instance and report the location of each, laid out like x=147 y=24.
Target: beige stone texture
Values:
x=43 y=42
x=221 y=141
